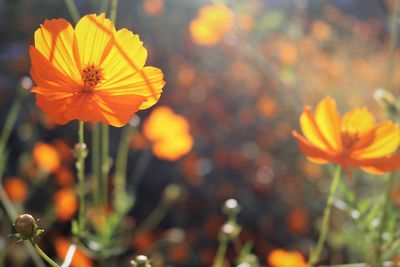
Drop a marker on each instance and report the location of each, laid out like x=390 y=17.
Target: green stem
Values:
x=81 y=175
x=113 y=11
x=104 y=165
x=95 y=158
x=155 y=217
x=73 y=10
x=383 y=221
x=222 y=248
x=42 y=254
x=315 y=252
x=121 y=164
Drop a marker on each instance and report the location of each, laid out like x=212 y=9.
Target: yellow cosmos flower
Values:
x=92 y=73
x=354 y=140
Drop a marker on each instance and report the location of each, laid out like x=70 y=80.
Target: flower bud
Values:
x=26 y=226
x=140 y=261
x=386 y=100
x=80 y=149
x=231 y=207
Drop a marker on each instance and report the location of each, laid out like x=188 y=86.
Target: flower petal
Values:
x=328 y=121
x=54 y=40
x=382 y=165
x=46 y=75
x=386 y=141
x=54 y=104
x=147 y=83
x=117 y=110
x=95 y=37
x=126 y=57
x=359 y=120
x=311 y=131
x=312 y=152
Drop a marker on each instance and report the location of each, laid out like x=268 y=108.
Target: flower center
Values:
x=349 y=139
x=91 y=76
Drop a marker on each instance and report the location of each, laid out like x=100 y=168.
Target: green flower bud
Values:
x=141 y=261
x=231 y=207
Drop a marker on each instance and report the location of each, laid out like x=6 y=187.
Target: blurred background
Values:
x=238 y=73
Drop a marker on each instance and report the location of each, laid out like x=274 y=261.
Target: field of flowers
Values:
x=184 y=133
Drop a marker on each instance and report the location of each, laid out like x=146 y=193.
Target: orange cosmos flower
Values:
x=16 y=189
x=169 y=133
x=46 y=157
x=92 y=73
x=211 y=24
x=283 y=258
x=354 y=140
x=66 y=204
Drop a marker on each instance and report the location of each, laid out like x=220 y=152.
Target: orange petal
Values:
x=328 y=121
x=312 y=152
x=118 y=109
x=46 y=75
x=126 y=57
x=54 y=104
x=54 y=39
x=386 y=141
x=95 y=37
x=381 y=165
x=311 y=131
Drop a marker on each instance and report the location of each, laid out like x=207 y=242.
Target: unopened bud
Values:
x=386 y=100
x=80 y=150
x=26 y=226
x=141 y=261
x=231 y=207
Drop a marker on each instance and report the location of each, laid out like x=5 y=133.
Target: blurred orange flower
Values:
x=169 y=133
x=92 y=73
x=153 y=7
x=354 y=140
x=46 y=157
x=212 y=23
x=16 y=189
x=66 y=204
x=283 y=258
x=80 y=259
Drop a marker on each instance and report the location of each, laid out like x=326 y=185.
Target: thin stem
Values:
x=121 y=164
x=42 y=254
x=104 y=164
x=315 y=252
x=95 y=156
x=81 y=174
x=73 y=10
x=155 y=217
x=113 y=11
x=222 y=248
x=383 y=221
